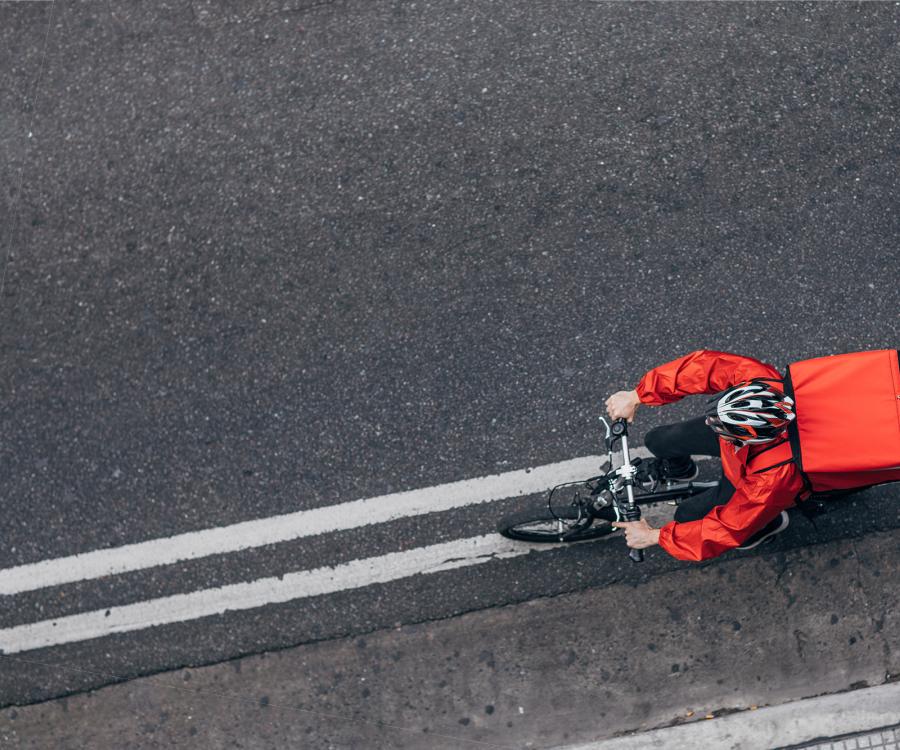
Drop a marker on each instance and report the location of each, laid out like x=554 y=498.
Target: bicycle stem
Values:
x=626 y=460
x=632 y=511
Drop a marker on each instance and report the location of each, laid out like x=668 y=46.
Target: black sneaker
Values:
x=776 y=526
x=651 y=471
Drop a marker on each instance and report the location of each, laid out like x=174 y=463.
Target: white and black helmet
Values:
x=754 y=412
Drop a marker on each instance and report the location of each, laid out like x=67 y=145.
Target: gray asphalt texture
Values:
x=272 y=256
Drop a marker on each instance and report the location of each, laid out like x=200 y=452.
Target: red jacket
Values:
x=758 y=498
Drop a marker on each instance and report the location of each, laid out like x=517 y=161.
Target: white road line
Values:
x=283 y=528
x=291 y=586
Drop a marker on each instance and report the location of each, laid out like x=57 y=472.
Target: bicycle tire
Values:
x=541 y=526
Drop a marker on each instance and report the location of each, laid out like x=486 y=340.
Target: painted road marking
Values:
x=290 y=526
x=291 y=586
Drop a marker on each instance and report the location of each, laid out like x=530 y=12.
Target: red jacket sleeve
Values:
x=756 y=501
x=700 y=372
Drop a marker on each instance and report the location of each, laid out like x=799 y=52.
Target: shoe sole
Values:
x=647 y=484
x=785 y=520
x=682 y=480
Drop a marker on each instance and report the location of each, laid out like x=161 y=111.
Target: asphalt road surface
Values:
x=273 y=257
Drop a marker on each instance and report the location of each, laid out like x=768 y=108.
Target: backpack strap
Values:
x=793 y=431
x=785 y=454
x=770 y=446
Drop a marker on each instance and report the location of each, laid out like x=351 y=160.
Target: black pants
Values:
x=677 y=443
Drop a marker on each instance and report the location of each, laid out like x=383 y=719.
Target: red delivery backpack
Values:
x=847 y=431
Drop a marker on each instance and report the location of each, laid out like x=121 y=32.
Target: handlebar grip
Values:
x=636 y=555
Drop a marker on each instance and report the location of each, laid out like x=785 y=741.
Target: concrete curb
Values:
x=794 y=723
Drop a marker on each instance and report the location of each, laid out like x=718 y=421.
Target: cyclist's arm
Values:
x=752 y=506
x=702 y=371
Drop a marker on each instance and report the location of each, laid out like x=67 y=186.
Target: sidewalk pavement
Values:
x=864 y=718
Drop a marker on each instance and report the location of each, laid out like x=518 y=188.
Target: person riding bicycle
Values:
x=749 y=416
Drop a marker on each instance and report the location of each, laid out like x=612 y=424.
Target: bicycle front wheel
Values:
x=543 y=526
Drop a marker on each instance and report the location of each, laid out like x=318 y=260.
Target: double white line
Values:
x=273 y=530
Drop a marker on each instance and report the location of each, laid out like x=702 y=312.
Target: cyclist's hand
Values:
x=638 y=534
x=622 y=405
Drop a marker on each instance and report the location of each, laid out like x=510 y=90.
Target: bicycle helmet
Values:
x=753 y=412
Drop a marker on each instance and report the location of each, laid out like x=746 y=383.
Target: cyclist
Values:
x=749 y=415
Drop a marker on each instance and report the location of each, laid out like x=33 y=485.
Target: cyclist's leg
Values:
x=678 y=442
x=696 y=507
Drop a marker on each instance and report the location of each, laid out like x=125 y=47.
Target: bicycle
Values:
x=586 y=516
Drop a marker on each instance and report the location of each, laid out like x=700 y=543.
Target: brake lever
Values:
x=608 y=441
